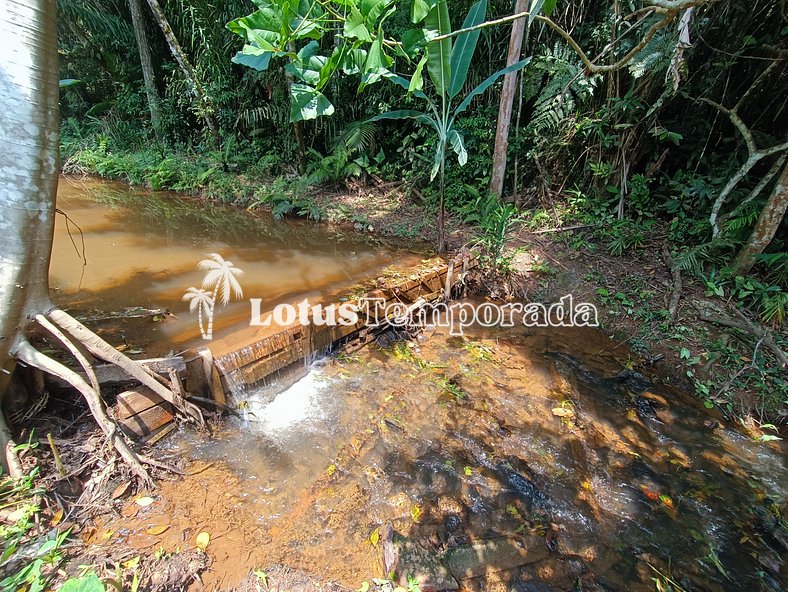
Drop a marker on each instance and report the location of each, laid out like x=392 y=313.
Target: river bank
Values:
x=696 y=328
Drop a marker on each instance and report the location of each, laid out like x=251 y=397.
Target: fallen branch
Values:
x=678 y=285
x=564 y=228
x=704 y=309
x=30 y=355
x=103 y=350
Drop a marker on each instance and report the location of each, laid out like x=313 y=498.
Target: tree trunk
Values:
x=298 y=126
x=205 y=109
x=28 y=166
x=137 y=19
x=507 y=100
x=766 y=227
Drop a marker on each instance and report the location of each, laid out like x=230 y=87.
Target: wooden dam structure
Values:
x=256 y=356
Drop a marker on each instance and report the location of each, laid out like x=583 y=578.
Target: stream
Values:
x=142 y=249
x=611 y=480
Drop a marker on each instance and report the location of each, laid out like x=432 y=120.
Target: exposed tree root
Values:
x=10 y=458
x=30 y=355
x=12 y=462
x=103 y=350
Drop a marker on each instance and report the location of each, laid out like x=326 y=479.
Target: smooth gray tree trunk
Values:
x=29 y=166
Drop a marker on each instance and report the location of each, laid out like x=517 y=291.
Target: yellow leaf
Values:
x=364 y=587
x=374 y=538
x=562 y=412
x=131 y=563
x=158 y=529
x=57 y=517
x=415 y=513
x=331 y=470
x=144 y=501
x=203 y=539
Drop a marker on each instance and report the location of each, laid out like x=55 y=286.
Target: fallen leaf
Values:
x=374 y=538
x=17 y=515
x=158 y=529
x=120 y=490
x=57 y=517
x=203 y=540
x=144 y=502
x=562 y=412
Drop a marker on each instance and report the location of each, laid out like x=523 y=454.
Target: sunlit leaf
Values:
x=158 y=529
x=308 y=103
x=465 y=47
x=203 y=540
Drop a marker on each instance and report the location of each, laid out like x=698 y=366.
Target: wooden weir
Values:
x=251 y=356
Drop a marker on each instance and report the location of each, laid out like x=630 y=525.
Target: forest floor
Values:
x=712 y=350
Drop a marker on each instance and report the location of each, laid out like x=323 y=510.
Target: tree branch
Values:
x=667 y=7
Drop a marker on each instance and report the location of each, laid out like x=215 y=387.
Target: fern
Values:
x=566 y=87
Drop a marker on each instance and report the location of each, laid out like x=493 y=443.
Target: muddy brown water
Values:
x=143 y=247
x=530 y=434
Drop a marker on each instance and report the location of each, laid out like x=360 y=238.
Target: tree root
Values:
x=11 y=463
x=103 y=350
x=30 y=355
x=8 y=455
x=711 y=314
x=675 y=272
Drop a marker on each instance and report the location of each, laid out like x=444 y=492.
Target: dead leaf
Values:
x=120 y=490
x=144 y=502
x=562 y=412
x=57 y=517
x=158 y=529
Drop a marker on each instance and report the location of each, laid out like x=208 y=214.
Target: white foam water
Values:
x=301 y=402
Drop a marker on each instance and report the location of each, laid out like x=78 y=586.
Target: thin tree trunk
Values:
x=138 y=21
x=298 y=126
x=507 y=99
x=441 y=205
x=188 y=71
x=766 y=227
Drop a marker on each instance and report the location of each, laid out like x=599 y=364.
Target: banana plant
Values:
x=447 y=66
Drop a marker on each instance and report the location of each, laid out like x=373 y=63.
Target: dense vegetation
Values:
x=672 y=132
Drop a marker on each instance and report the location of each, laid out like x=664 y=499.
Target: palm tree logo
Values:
x=221 y=276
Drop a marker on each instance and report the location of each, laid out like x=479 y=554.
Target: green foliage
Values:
x=30 y=555
x=496 y=221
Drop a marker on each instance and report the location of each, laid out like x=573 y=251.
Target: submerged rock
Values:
x=406 y=558
x=477 y=559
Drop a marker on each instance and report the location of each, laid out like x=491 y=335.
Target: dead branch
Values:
x=709 y=313
x=30 y=355
x=755 y=154
x=103 y=350
x=564 y=228
x=678 y=285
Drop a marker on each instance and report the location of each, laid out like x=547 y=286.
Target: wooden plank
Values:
x=141 y=424
x=136 y=401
